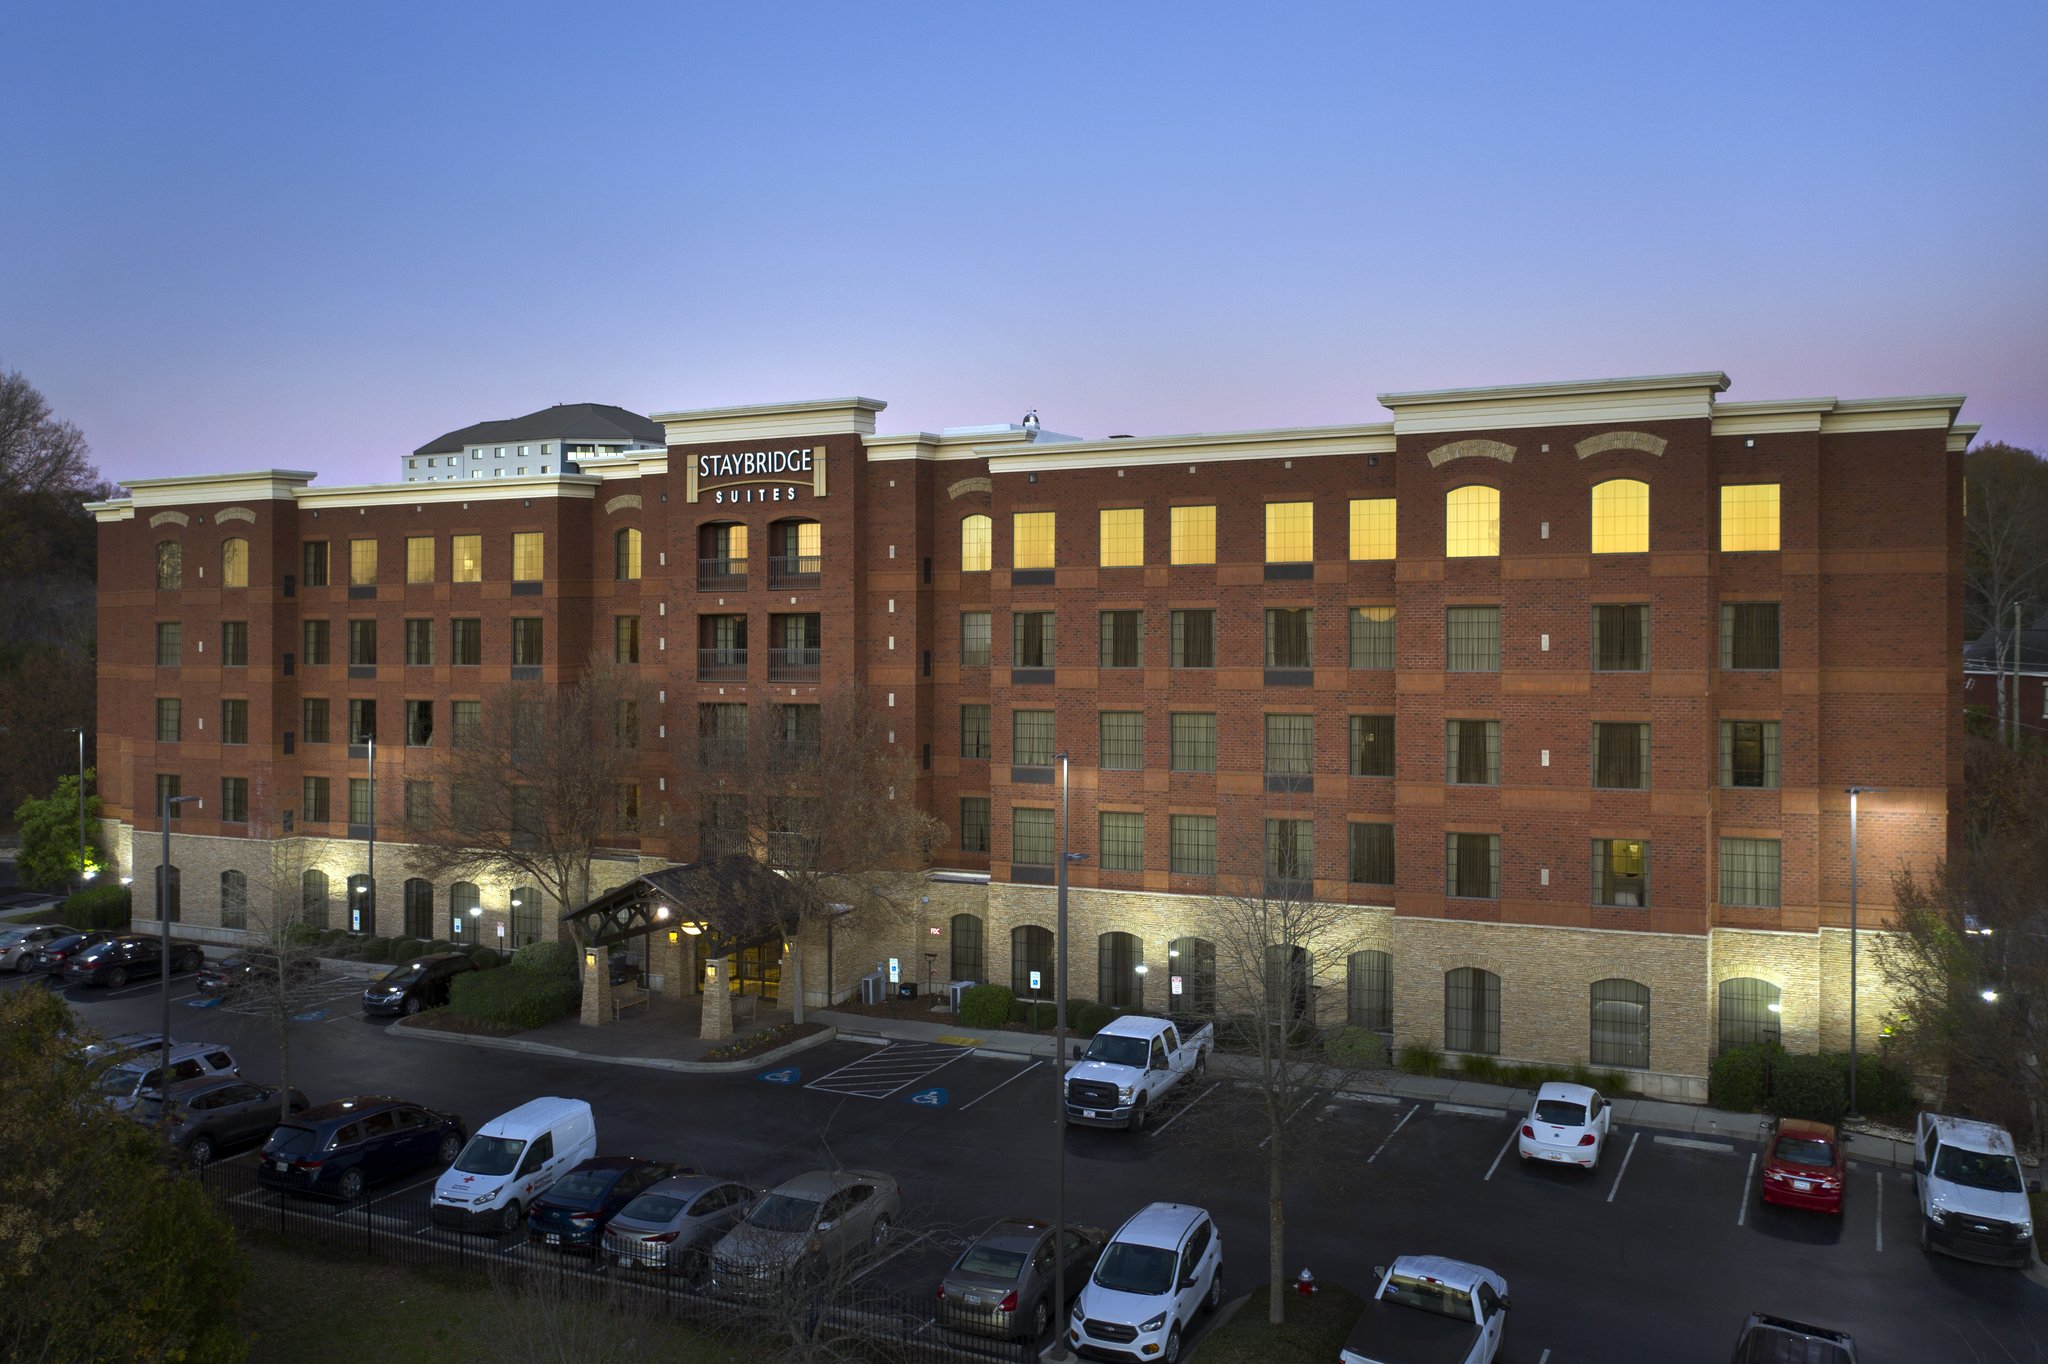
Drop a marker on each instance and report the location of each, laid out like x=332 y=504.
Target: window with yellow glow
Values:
x=1372 y=527
x=1194 y=535
x=1621 y=516
x=467 y=552
x=1123 y=537
x=1749 y=517
x=1031 y=539
x=810 y=540
x=234 y=563
x=526 y=556
x=976 y=544
x=1471 y=522
x=1290 y=532
x=419 y=558
x=362 y=563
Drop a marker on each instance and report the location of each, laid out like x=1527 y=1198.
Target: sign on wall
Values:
x=750 y=476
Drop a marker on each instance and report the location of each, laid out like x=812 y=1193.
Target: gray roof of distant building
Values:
x=563 y=421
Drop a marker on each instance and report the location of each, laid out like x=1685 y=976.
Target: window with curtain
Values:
x=1472 y=752
x=234 y=644
x=315 y=643
x=1472 y=639
x=419 y=805
x=974 y=821
x=1194 y=639
x=1620 y=1024
x=1192 y=845
x=1123 y=537
x=1121 y=841
x=1472 y=1011
x=1031 y=539
x=1749 y=635
x=1372 y=745
x=1369 y=990
x=1290 y=855
x=1749 y=753
x=1290 y=532
x=362 y=563
x=1118 y=981
x=419 y=909
x=1750 y=1011
x=234 y=722
x=977 y=544
x=626 y=555
x=419 y=643
x=526 y=641
x=1621 y=872
x=362 y=643
x=528 y=556
x=1031 y=837
x=625 y=639
x=1122 y=738
x=1031 y=949
x=313 y=799
x=1472 y=522
x=419 y=558
x=234 y=562
x=1290 y=636
x=313 y=564
x=169 y=717
x=1621 y=756
x=1372 y=854
x=964 y=932
x=1194 y=535
x=1290 y=745
x=1621 y=639
x=1192 y=741
x=170 y=643
x=1621 y=516
x=975 y=635
x=1472 y=866
x=234 y=800
x=1193 y=962
x=466 y=642
x=463 y=897
x=1031 y=738
x=1750 y=872
x=170 y=566
x=1123 y=634
x=974 y=731
x=314 y=897
x=1372 y=636
x=234 y=900
x=1031 y=639
x=1372 y=528
x=1749 y=517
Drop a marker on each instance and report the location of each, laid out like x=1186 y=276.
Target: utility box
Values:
x=873 y=988
x=957 y=988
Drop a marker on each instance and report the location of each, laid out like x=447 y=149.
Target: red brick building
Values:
x=1559 y=686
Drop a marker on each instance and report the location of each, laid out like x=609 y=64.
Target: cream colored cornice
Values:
x=1608 y=402
x=1775 y=415
x=772 y=421
x=260 y=485
x=1961 y=434
x=1837 y=416
x=1302 y=442
x=967 y=445
x=575 y=486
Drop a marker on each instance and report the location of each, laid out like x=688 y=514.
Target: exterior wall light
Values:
x=673 y=937
x=589 y=959
x=693 y=929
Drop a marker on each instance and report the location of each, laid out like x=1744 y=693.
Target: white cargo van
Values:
x=512 y=1160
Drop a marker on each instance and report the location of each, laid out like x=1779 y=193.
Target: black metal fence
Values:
x=874 y=1321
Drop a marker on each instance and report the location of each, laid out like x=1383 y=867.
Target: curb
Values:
x=644 y=1062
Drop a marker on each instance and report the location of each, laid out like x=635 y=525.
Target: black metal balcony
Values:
x=721 y=665
x=795 y=570
x=721 y=574
x=793 y=665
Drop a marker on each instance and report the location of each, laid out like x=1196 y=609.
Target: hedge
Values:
x=985 y=1006
x=405 y=949
x=1804 y=1086
x=512 y=999
x=375 y=949
x=1739 y=1081
x=1420 y=1058
x=97 y=907
x=548 y=958
x=485 y=957
x=1769 y=1079
x=1090 y=1018
x=1034 y=1015
x=1352 y=1046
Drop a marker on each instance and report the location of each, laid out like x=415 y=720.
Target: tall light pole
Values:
x=1854 y=791
x=163 y=914
x=83 y=875
x=369 y=905
x=1059 y=1072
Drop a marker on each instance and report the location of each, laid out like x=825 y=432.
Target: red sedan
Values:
x=1803 y=1166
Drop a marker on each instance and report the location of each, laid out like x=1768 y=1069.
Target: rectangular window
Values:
x=419 y=805
x=234 y=722
x=1194 y=535
x=466 y=553
x=234 y=800
x=234 y=644
x=1472 y=522
x=1749 y=872
x=1031 y=738
x=974 y=731
x=1472 y=639
x=362 y=563
x=527 y=556
x=1032 y=637
x=362 y=721
x=419 y=723
x=1290 y=855
x=1621 y=756
x=626 y=722
x=362 y=643
x=1123 y=634
x=1372 y=636
x=1621 y=872
x=359 y=808
x=1749 y=753
x=419 y=558
x=314 y=650
x=626 y=639
x=1031 y=539
x=168 y=716
x=419 y=643
x=313 y=720
x=1372 y=854
x=1621 y=639
x=1372 y=745
x=1123 y=537
x=526 y=641
x=313 y=799
x=1372 y=528
x=1472 y=752
x=975 y=635
x=313 y=563
x=1193 y=739
x=168 y=787
x=1121 y=843
x=466 y=720
x=1749 y=517
x=1290 y=635
x=1749 y=635
x=1194 y=639
x=1031 y=841
x=466 y=642
x=170 y=641
x=1472 y=866
x=974 y=824
x=234 y=563
x=626 y=806
x=1123 y=740
x=1290 y=532
x=1290 y=745
x=1192 y=845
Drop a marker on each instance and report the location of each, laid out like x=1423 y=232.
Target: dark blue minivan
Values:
x=339 y=1149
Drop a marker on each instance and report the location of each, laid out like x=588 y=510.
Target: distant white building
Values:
x=553 y=440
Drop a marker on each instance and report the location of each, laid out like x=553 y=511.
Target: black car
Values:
x=339 y=1149
x=418 y=984
x=117 y=961
x=573 y=1213
x=53 y=956
x=203 y=1117
x=251 y=966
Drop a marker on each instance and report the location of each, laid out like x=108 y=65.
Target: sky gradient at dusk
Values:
x=245 y=236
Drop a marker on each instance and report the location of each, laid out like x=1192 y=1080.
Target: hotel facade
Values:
x=1557 y=688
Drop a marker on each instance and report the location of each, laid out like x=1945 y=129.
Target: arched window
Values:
x=525 y=904
x=722 y=555
x=1472 y=522
x=419 y=909
x=1750 y=1012
x=362 y=904
x=465 y=914
x=234 y=900
x=1120 y=970
x=1621 y=1024
x=1031 y=950
x=234 y=563
x=967 y=937
x=1472 y=1011
x=1290 y=983
x=977 y=544
x=1621 y=516
x=313 y=897
x=1191 y=977
x=626 y=555
x=170 y=565
x=1369 y=991
x=170 y=892
x=796 y=553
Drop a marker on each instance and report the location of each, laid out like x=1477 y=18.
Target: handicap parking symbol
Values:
x=929 y=1098
x=204 y=1002
x=310 y=1016
x=788 y=1075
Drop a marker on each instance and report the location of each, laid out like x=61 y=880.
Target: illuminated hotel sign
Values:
x=756 y=476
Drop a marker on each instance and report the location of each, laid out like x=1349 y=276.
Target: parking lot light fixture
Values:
x=127 y=880
x=163 y=915
x=1852 y=1115
x=693 y=929
x=1989 y=995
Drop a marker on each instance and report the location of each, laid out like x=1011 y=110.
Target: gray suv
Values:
x=125 y=1082
x=201 y=1118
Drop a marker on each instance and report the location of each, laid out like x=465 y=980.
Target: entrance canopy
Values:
x=730 y=903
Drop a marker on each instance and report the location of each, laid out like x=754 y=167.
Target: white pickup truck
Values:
x=1129 y=1065
x=1429 y=1310
x=1973 y=1199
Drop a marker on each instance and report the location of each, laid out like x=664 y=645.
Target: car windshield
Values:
x=287 y=1141
x=584 y=1184
x=997 y=1264
x=783 y=1212
x=654 y=1207
x=490 y=1155
x=1118 y=1051
x=12 y=936
x=406 y=974
x=1805 y=1151
x=1128 y=1268
x=1562 y=1112
x=1978 y=1170
x=1412 y=1290
x=120 y=1080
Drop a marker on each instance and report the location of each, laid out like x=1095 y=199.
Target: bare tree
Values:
x=2006 y=549
x=284 y=963
x=38 y=453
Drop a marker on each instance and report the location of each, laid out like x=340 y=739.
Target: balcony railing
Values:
x=795 y=570
x=721 y=665
x=793 y=665
x=721 y=573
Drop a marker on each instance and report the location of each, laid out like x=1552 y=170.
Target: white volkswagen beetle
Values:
x=1567 y=1125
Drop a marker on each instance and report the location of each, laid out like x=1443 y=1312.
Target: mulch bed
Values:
x=917 y=1010
x=767 y=1039
x=443 y=1020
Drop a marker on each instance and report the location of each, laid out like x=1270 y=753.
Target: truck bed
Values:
x=1389 y=1333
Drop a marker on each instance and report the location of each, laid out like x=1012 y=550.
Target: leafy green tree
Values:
x=49 y=835
x=106 y=1251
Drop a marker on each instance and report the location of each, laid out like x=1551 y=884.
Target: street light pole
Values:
x=370 y=890
x=163 y=914
x=1854 y=791
x=79 y=730
x=1059 y=1072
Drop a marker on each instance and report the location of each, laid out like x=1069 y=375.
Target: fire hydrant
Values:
x=1306 y=1284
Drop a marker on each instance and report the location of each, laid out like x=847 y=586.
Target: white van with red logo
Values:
x=512 y=1160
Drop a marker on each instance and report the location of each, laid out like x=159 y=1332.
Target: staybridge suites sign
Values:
x=757 y=476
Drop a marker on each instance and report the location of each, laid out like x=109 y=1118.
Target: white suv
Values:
x=1159 y=1269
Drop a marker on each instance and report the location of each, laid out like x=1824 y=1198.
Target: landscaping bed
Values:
x=1314 y=1331
x=917 y=1010
x=445 y=1019
x=764 y=1040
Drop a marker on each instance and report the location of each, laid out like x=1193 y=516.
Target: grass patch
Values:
x=1315 y=1330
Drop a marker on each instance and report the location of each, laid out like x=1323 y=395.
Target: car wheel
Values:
x=879 y=1237
x=508 y=1220
x=1172 y=1355
x=117 y=977
x=1201 y=1067
x=21 y=966
x=351 y=1186
x=412 y=1005
x=1215 y=1298
x=1041 y=1319
x=450 y=1149
x=200 y=1149
x=1138 y=1117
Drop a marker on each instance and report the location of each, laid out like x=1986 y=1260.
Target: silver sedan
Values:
x=673 y=1224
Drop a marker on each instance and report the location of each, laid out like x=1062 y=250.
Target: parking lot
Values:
x=1659 y=1254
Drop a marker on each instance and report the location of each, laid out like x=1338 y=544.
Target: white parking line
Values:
x=1626 y=1157
x=1018 y=1076
x=926 y=1074
x=1390 y=1136
x=893 y=1068
x=1267 y=1139
x=1694 y=1144
x=1880 y=1212
x=1742 y=1209
x=1544 y=1358
x=1214 y=1086
x=1516 y=1132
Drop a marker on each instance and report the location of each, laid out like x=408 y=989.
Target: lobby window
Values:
x=1031 y=837
x=1193 y=639
x=1122 y=737
x=1620 y=1024
x=1369 y=989
x=1621 y=516
x=234 y=722
x=1123 y=537
x=974 y=639
x=1621 y=872
x=314 y=642
x=625 y=639
x=1120 y=841
x=313 y=563
x=1031 y=539
x=234 y=644
x=466 y=553
x=1031 y=738
x=626 y=555
x=1472 y=522
x=1472 y=639
x=234 y=900
x=1621 y=756
x=1290 y=856
x=1749 y=753
x=1372 y=855
x=1031 y=638
x=529 y=554
x=1472 y=866
x=362 y=721
x=169 y=718
x=1621 y=639
x=1472 y=752
x=170 y=642
x=466 y=723
x=1372 y=528
x=419 y=724
x=1749 y=872
x=362 y=563
x=1123 y=635
x=1372 y=636
x=1290 y=635
x=1290 y=532
x=1290 y=745
x=466 y=642
x=419 y=558
x=313 y=720
x=1031 y=964
x=974 y=731
x=1372 y=745
x=362 y=643
x=1749 y=635
x=234 y=800
x=526 y=641
x=1192 y=743
x=1749 y=517
x=974 y=824
x=1472 y=1011
x=419 y=643
x=234 y=563
x=977 y=544
x=1191 y=845
x=1194 y=535
x=170 y=566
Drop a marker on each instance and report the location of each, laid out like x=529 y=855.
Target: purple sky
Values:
x=237 y=236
